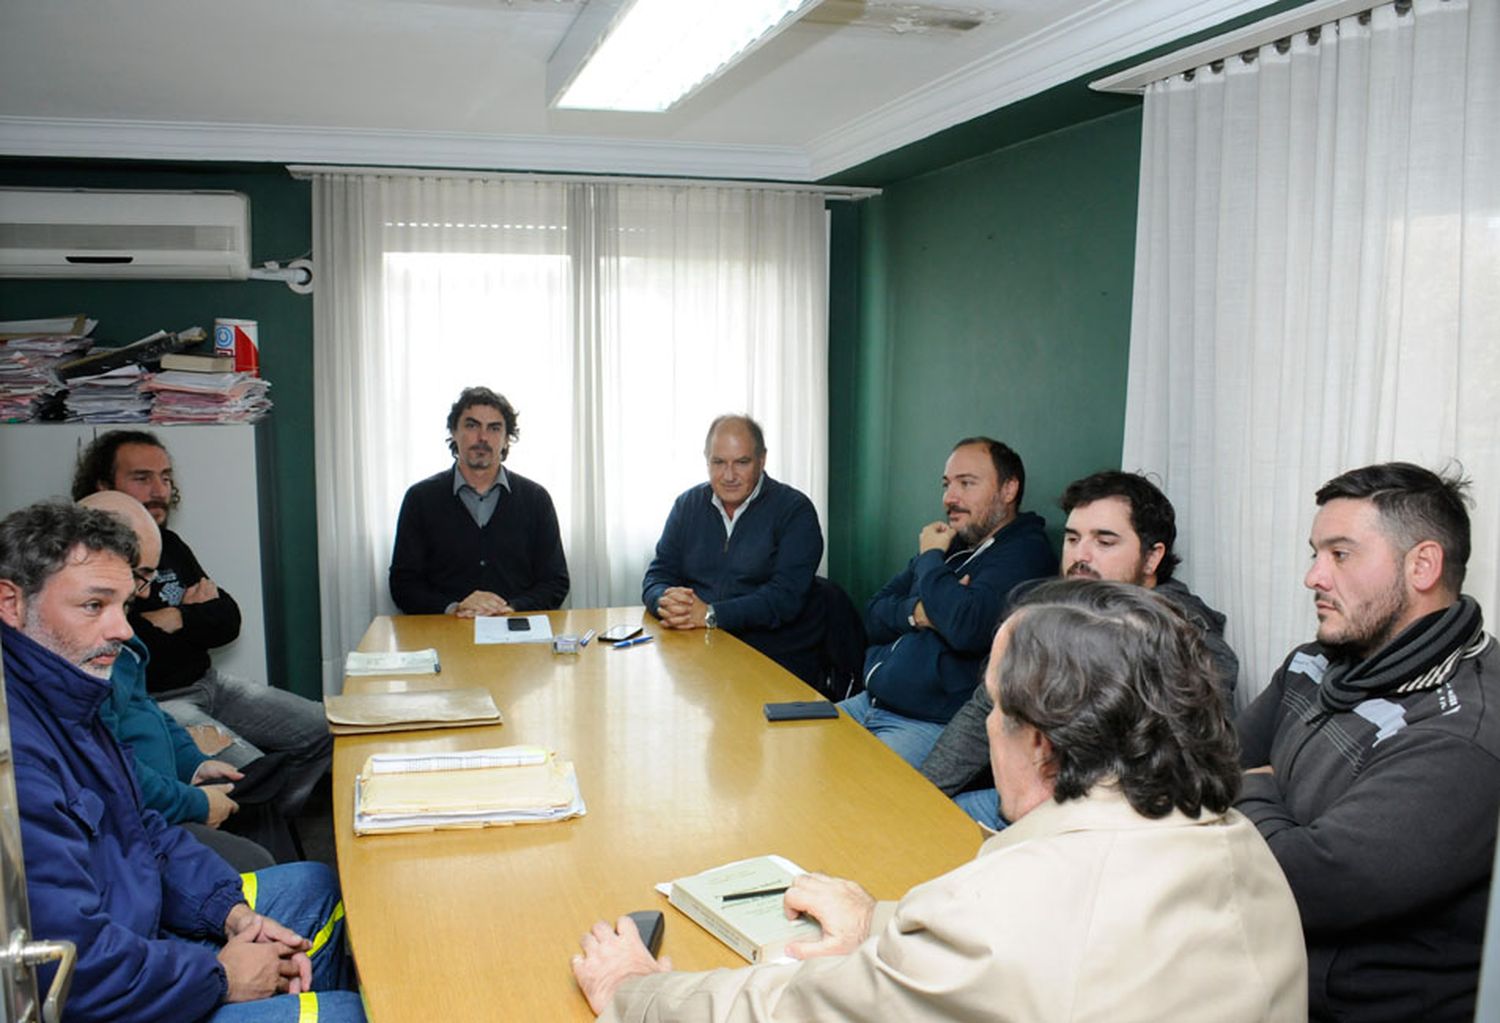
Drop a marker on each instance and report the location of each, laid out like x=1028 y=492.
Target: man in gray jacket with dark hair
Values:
x=1373 y=757
x=1120 y=527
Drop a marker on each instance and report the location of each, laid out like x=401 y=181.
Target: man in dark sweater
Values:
x=739 y=553
x=477 y=539
x=931 y=625
x=1120 y=527
x=1374 y=755
x=185 y=614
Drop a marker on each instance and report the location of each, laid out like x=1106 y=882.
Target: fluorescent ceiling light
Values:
x=647 y=54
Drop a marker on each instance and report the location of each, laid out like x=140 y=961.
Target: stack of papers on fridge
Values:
x=478 y=788
x=29 y=383
x=186 y=397
x=111 y=397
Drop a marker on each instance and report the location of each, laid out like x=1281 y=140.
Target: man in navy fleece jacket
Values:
x=739 y=553
x=930 y=627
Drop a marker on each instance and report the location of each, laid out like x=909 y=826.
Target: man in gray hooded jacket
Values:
x=1120 y=527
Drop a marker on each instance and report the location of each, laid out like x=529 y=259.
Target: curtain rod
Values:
x=1231 y=44
x=840 y=193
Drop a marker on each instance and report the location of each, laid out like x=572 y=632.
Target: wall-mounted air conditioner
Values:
x=62 y=232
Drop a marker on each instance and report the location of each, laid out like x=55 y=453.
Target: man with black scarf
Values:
x=1373 y=758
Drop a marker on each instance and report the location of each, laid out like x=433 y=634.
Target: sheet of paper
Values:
x=499 y=630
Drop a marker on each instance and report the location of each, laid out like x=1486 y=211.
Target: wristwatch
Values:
x=710 y=619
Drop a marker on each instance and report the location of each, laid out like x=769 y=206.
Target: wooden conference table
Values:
x=680 y=772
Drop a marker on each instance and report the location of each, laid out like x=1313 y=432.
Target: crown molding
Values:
x=163 y=140
x=1103 y=34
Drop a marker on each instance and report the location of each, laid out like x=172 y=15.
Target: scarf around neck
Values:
x=1420 y=657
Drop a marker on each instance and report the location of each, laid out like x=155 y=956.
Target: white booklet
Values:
x=507 y=629
x=741 y=904
x=392 y=662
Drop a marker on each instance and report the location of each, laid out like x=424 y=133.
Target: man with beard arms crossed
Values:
x=1126 y=890
x=477 y=539
x=1120 y=527
x=1374 y=754
x=164 y=929
x=930 y=626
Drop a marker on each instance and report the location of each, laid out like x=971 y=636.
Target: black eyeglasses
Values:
x=144 y=577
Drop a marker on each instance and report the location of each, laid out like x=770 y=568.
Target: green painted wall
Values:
x=281 y=229
x=992 y=297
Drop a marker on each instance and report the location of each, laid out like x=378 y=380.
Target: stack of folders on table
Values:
x=355 y=713
x=741 y=904
x=475 y=789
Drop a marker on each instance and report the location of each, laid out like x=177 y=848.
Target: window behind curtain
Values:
x=618 y=319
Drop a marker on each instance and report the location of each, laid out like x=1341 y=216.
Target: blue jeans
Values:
x=983 y=805
x=259 y=719
x=304 y=897
x=911 y=738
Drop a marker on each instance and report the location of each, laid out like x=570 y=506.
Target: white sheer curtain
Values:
x=1318 y=287
x=618 y=319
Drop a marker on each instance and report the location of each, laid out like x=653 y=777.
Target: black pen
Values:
x=758 y=893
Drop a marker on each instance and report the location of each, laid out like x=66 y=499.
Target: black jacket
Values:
x=441 y=555
x=181 y=658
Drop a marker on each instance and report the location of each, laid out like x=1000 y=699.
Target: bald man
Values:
x=739 y=553
x=175 y=779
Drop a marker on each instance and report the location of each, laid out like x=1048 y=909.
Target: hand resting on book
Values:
x=612 y=956
x=841 y=907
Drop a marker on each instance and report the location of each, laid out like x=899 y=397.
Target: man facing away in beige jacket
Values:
x=1125 y=889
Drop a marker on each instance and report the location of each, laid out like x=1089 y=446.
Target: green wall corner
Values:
x=993 y=297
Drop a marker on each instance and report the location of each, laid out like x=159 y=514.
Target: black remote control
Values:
x=651 y=924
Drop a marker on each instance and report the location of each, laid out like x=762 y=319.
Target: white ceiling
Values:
x=459 y=83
